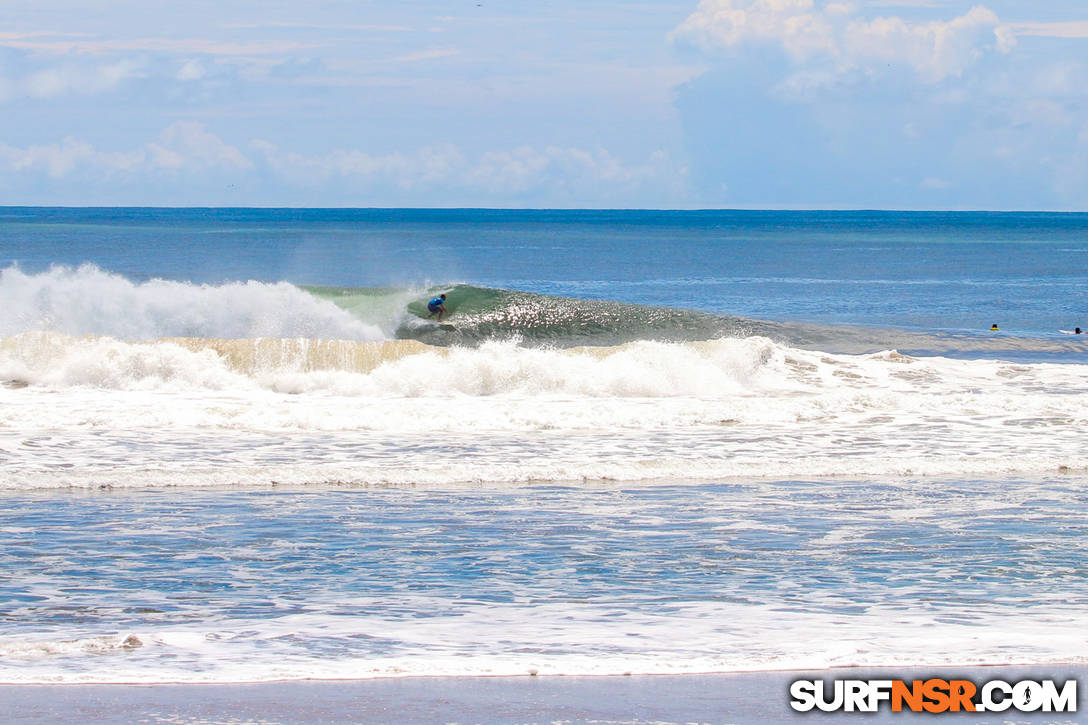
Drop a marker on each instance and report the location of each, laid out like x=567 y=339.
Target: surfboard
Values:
x=432 y=325
x=1070 y=332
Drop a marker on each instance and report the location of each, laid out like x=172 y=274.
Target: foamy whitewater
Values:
x=244 y=479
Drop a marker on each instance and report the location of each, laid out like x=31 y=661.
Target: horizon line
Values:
x=800 y=208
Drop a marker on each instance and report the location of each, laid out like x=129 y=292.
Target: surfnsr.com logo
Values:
x=934 y=696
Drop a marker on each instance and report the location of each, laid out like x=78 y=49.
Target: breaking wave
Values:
x=104 y=381
x=90 y=301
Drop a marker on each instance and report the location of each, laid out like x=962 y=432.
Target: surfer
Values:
x=1076 y=331
x=993 y=327
x=437 y=305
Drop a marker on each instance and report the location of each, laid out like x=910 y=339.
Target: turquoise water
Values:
x=232 y=450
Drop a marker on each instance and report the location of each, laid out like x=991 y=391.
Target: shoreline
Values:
x=739 y=697
x=828 y=671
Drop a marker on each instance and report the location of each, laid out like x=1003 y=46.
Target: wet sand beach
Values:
x=743 y=698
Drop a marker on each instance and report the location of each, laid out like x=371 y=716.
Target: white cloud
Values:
x=192 y=70
x=935 y=50
x=77 y=79
x=801 y=29
x=494 y=174
x=188 y=153
x=183 y=146
x=59 y=160
x=837 y=37
x=524 y=168
x=404 y=171
x=189 y=145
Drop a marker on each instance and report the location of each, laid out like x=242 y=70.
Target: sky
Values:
x=889 y=104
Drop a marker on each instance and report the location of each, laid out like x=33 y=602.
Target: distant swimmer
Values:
x=1076 y=331
x=993 y=327
x=437 y=305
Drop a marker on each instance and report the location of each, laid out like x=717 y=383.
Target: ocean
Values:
x=232 y=448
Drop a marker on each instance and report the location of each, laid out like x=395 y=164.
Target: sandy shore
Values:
x=720 y=698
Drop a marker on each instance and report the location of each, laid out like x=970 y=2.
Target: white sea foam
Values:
x=222 y=586
x=89 y=301
x=396 y=368
x=567 y=639
x=98 y=411
x=36 y=649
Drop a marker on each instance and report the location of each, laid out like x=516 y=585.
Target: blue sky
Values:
x=905 y=104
